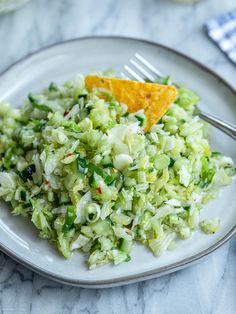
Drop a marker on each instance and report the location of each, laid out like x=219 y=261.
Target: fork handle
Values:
x=225 y=127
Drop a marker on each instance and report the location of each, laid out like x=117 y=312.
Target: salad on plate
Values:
x=99 y=163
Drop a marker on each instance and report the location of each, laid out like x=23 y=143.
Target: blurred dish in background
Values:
x=10 y=5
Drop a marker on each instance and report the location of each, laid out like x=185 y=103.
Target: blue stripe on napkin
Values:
x=222 y=30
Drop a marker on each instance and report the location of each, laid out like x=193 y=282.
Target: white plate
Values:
x=18 y=238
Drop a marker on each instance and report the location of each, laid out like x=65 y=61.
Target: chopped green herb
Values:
x=140 y=119
x=69 y=219
x=172 y=161
x=23 y=196
x=27 y=205
x=39 y=125
x=207 y=173
x=187 y=207
x=125 y=114
x=83 y=96
x=71 y=126
x=216 y=154
x=34 y=102
x=108 y=179
x=82 y=165
x=53 y=87
x=27 y=173
x=167 y=80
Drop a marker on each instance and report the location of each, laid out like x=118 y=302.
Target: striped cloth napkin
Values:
x=222 y=30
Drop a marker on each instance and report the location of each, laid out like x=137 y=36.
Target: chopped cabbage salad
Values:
x=81 y=168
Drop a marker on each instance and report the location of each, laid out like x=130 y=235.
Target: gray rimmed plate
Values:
x=18 y=238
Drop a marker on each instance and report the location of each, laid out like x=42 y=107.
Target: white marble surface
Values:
x=207 y=287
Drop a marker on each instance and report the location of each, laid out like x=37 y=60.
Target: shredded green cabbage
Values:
x=89 y=178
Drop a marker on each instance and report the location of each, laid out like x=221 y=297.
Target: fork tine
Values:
x=148 y=65
x=142 y=70
x=133 y=74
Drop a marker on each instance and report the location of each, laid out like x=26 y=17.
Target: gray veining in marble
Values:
x=208 y=287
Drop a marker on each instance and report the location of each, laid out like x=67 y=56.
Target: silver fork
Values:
x=142 y=69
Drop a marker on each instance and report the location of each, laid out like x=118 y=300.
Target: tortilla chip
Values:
x=153 y=98
x=158 y=107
